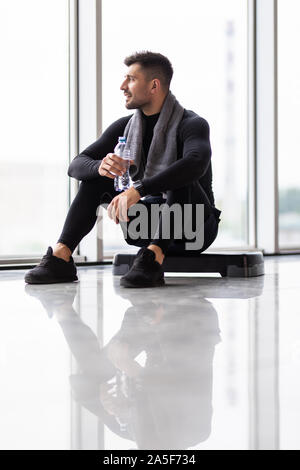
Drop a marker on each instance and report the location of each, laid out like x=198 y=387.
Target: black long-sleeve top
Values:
x=193 y=155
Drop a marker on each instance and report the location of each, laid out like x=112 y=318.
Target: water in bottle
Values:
x=122 y=183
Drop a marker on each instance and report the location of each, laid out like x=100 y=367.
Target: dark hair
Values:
x=154 y=64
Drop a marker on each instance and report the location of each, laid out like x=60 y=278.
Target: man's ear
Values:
x=155 y=85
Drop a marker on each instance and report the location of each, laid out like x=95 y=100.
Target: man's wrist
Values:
x=139 y=187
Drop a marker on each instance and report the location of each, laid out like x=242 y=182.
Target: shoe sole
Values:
x=125 y=283
x=34 y=281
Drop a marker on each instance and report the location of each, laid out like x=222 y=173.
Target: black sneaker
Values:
x=51 y=270
x=145 y=271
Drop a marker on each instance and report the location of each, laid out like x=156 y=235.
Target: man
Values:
x=171 y=165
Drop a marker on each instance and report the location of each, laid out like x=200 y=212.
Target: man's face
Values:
x=136 y=88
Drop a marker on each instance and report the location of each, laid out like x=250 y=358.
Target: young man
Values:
x=170 y=151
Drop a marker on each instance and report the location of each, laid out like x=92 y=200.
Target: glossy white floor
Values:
x=204 y=363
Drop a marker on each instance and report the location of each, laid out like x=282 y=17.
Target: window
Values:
x=288 y=123
x=34 y=121
x=206 y=43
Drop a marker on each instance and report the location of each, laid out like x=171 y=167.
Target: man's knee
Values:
x=90 y=184
x=95 y=190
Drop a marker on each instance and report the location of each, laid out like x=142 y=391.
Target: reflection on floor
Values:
x=203 y=363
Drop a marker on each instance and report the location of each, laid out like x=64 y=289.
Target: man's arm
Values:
x=86 y=165
x=193 y=164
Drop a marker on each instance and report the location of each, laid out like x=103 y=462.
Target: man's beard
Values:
x=134 y=104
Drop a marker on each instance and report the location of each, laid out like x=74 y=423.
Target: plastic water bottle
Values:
x=122 y=183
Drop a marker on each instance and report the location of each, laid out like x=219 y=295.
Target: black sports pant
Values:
x=82 y=214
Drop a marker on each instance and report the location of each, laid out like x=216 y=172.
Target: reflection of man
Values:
x=170 y=164
x=171 y=395
x=152 y=383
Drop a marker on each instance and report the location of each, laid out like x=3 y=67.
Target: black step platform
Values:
x=231 y=264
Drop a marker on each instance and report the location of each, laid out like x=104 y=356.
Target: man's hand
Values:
x=112 y=165
x=117 y=209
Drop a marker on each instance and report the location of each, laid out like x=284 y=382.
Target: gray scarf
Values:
x=163 y=149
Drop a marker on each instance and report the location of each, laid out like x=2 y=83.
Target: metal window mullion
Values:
x=90 y=99
x=251 y=109
x=73 y=94
x=99 y=111
x=266 y=126
x=276 y=180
